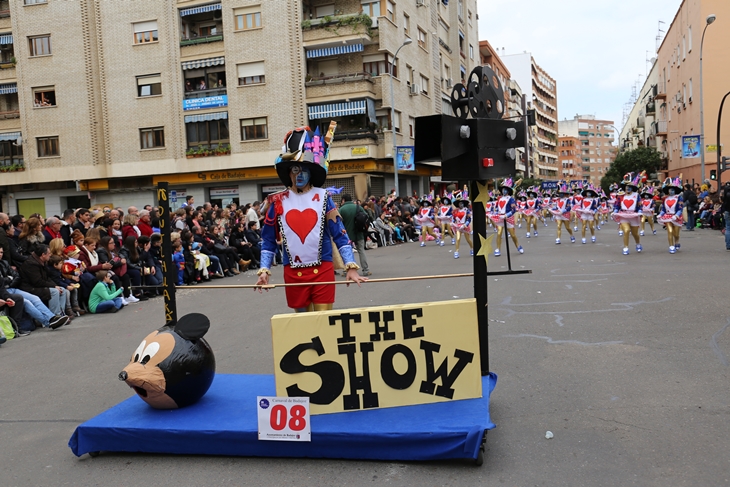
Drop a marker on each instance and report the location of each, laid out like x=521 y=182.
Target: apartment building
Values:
x=678 y=84
x=642 y=127
x=541 y=89
x=99 y=100
x=596 y=145
x=570 y=159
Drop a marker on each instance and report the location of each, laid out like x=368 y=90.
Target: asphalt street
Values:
x=625 y=359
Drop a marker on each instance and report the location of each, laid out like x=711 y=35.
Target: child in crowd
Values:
x=55 y=264
x=105 y=297
x=179 y=259
x=71 y=271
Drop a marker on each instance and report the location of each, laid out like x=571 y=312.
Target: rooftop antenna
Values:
x=659 y=36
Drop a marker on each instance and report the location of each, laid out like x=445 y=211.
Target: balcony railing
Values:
x=189 y=41
x=10 y=114
x=4 y=14
x=337 y=78
x=356 y=134
x=205 y=93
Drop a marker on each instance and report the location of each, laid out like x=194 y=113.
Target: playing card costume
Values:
x=627 y=212
x=586 y=212
x=504 y=214
x=305 y=219
x=445 y=219
x=426 y=218
x=576 y=203
x=671 y=213
x=461 y=224
x=562 y=211
x=647 y=209
x=531 y=210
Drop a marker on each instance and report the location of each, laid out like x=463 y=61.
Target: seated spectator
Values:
x=56 y=247
x=205 y=246
x=129 y=227
x=179 y=260
x=32 y=304
x=228 y=255
x=11 y=304
x=408 y=228
x=107 y=252
x=16 y=257
x=31 y=236
x=52 y=229
x=105 y=297
x=149 y=270
x=34 y=279
x=384 y=230
x=143 y=224
x=134 y=267
x=54 y=267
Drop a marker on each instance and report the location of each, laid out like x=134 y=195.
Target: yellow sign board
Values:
x=711 y=148
x=359 y=151
x=385 y=356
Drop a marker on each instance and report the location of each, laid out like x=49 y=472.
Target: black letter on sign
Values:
x=447 y=378
x=407 y=315
x=374 y=318
x=352 y=400
x=388 y=372
x=345 y=319
x=331 y=373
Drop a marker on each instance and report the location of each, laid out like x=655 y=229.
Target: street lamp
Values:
x=392 y=111
x=710 y=19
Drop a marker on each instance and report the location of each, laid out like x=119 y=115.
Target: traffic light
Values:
x=531 y=121
x=713 y=174
x=723 y=164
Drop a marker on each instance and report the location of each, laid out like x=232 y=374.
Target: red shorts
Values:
x=301 y=296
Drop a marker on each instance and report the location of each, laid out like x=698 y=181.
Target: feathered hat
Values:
x=577 y=186
x=510 y=185
x=630 y=180
x=304 y=146
x=532 y=192
x=590 y=192
x=446 y=199
x=647 y=190
x=672 y=183
x=564 y=188
x=522 y=196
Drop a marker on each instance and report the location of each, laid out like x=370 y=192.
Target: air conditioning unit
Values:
x=415 y=89
x=420 y=3
x=449 y=82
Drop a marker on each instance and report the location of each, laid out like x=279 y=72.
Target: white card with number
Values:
x=284 y=418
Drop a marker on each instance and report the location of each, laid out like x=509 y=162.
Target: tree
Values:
x=637 y=160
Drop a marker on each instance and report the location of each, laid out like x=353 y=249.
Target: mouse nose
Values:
x=122 y=375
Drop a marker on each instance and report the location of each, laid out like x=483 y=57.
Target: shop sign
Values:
x=359 y=151
x=205 y=102
x=404 y=158
x=223 y=192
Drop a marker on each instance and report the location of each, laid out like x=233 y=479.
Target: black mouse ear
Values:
x=192 y=326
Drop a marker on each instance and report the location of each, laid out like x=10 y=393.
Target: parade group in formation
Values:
x=573 y=207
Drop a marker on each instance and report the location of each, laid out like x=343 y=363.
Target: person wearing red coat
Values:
x=144 y=223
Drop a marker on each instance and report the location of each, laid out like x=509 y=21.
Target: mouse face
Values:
x=168 y=370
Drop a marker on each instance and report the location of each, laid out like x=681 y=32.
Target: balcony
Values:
x=195 y=39
x=337 y=27
x=9 y=114
x=659 y=128
x=347 y=85
x=201 y=25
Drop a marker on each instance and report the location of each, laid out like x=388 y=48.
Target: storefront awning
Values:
x=332 y=110
x=6 y=38
x=334 y=51
x=206 y=117
x=10 y=136
x=200 y=10
x=8 y=88
x=204 y=63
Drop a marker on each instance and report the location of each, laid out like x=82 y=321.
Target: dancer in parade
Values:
x=461 y=224
x=521 y=202
x=425 y=218
x=561 y=212
x=576 y=202
x=445 y=218
x=305 y=219
x=504 y=215
x=532 y=210
x=587 y=212
x=627 y=212
x=671 y=213
x=603 y=211
x=548 y=202
x=647 y=209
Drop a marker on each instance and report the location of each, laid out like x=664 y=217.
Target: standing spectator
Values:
x=52 y=229
x=145 y=228
x=253 y=215
x=348 y=210
x=690 y=201
x=83 y=220
x=34 y=279
x=69 y=218
x=189 y=201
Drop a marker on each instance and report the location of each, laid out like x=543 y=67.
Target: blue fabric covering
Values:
x=224 y=422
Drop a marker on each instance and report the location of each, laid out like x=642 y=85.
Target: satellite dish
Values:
x=18 y=142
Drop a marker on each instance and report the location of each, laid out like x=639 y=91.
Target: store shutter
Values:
x=347 y=183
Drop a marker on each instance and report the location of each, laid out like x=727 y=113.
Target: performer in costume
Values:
x=603 y=211
x=425 y=217
x=547 y=203
x=647 y=209
x=576 y=203
x=305 y=219
x=445 y=218
x=587 y=212
x=489 y=210
x=561 y=212
x=627 y=211
x=532 y=210
x=521 y=202
x=671 y=213
x=504 y=215
x=461 y=224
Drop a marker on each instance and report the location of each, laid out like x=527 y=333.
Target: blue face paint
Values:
x=505 y=191
x=671 y=191
x=302 y=178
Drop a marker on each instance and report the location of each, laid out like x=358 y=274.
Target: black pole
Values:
x=479 y=224
x=719 y=145
x=169 y=273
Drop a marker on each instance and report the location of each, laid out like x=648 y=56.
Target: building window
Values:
x=411 y=127
x=377 y=64
x=471 y=52
x=251 y=74
x=690 y=90
x=689 y=36
x=254 y=129
x=469 y=16
x=40 y=45
x=47 y=146
x=460 y=10
x=421 y=38
x=44 y=97
x=248 y=17
x=324 y=11
x=152 y=138
x=462 y=44
x=145 y=32
x=684 y=47
x=406 y=25
x=396 y=120
x=383 y=118
x=209 y=81
x=209 y=134
x=371 y=9
x=10 y=153
x=34 y=2
x=424 y=85
x=149 y=85
x=390 y=10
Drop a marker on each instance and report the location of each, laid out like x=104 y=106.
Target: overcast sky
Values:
x=595 y=51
